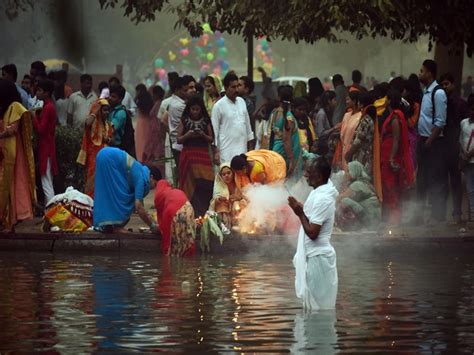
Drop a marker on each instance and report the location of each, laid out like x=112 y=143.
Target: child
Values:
x=467 y=153
x=45 y=126
x=196 y=172
x=306 y=130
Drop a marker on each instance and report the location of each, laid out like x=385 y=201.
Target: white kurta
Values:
x=232 y=129
x=315 y=260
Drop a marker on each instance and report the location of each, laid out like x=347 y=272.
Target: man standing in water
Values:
x=315 y=259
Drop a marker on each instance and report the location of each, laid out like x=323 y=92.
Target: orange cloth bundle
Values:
x=61 y=216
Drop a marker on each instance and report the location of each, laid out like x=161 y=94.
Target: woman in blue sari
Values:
x=121 y=184
x=284 y=136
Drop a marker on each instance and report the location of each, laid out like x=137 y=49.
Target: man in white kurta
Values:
x=231 y=122
x=315 y=259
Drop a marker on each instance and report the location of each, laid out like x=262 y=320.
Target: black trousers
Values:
x=432 y=177
x=452 y=161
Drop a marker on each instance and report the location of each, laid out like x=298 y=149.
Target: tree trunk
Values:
x=450 y=59
x=250 y=56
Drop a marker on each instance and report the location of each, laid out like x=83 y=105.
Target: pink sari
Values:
x=141 y=135
x=154 y=148
x=350 y=122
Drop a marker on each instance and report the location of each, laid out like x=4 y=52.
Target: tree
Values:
x=445 y=22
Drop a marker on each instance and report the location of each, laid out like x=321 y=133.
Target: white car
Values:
x=290 y=80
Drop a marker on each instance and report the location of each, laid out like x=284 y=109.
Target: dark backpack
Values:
x=128 y=137
x=436 y=88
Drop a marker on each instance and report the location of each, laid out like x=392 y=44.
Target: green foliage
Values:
x=68 y=145
x=447 y=21
x=211 y=228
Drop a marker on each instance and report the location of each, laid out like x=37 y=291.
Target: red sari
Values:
x=175 y=219
x=395 y=182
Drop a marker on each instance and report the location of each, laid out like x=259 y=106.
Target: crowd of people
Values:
x=402 y=141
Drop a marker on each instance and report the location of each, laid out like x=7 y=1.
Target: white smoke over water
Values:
x=268 y=212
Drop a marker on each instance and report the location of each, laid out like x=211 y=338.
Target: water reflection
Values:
x=315 y=332
x=142 y=303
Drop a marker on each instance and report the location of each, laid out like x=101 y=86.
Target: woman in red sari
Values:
x=97 y=134
x=175 y=219
x=395 y=160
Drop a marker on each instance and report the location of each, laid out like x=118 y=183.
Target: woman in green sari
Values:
x=358 y=205
x=283 y=131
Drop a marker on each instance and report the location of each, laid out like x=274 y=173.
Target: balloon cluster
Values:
x=264 y=56
x=204 y=55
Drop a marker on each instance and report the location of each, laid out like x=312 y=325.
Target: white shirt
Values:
x=61 y=110
x=232 y=130
x=425 y=122
x=467 y=129
x=34 y=103
x=79 y=107
x=129 y=103
x=320 y=208
x=175 y=112
x=164 y=107
x=261 y=132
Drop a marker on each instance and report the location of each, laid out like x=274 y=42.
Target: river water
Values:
x=391 y=300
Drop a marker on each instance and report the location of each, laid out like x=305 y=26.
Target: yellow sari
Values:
x=17 y=168
x=269 y=167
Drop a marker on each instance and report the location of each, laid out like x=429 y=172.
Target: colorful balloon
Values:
x=171 y=56
x=206 y=28
x=220 y=42
x=162 y=73
x=222 y=52
x=186 y=62
x=159 y=62
x=210 y=56
x=184 y=41
x=184 y=52
x=217 y=71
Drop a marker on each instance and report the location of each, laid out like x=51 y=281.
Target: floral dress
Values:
x=363 y=143
x=183 y=230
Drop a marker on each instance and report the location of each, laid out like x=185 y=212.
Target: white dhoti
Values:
x=47 y=183
x=315 y=260
x=316 y=277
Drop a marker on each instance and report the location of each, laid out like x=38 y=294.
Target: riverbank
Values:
x=29 y=237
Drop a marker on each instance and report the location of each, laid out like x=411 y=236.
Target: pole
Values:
x=250 y=56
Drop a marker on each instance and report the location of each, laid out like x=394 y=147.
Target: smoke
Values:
x=267 y=211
